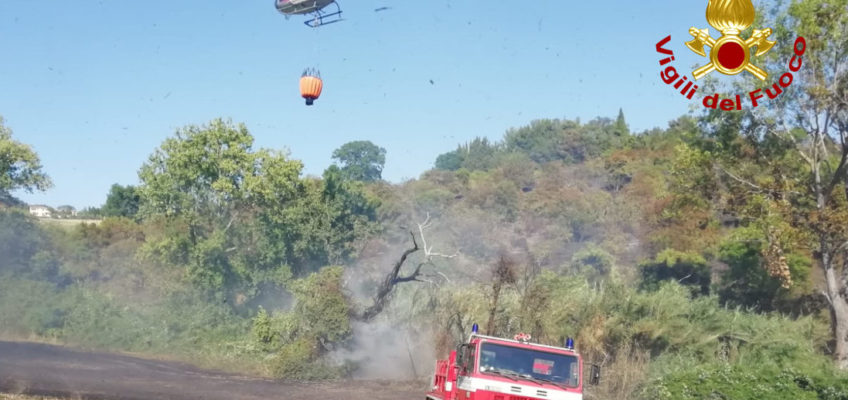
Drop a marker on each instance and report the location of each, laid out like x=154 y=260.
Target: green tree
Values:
x=322 y=223
x=600 y=135
x=20 y=168
x=361 y=160
x=747 y=283
x=549 y=140
x=202 y=171
x=477 y=155
x=318 y=322
x=351 y=214
x=783 y=167
x=65 y=211
x=593 y=262
x=122 y=201
x=450 y=161
x=21 y=239
x=325 y=318
x=480 y=154
x=670 y=265
x=546 y=140
x=240 y=218
x=788 y=169
x=90 y=212
x=209 y=189
x=621 y=128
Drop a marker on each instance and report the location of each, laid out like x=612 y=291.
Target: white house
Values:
x=40 y=211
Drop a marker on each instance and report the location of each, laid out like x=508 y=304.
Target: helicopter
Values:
x=311 y=7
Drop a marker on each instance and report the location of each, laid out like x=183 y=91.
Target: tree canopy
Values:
x=783 y=168
x=236 y=217
x=361 y=160
x=20 y=167
x=122 y=201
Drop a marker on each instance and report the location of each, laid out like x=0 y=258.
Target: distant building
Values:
x=40 y=211
x=66 y=211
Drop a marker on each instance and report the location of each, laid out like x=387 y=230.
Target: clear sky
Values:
x=95 y=86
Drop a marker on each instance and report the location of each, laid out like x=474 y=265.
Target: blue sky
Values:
x=95 y=86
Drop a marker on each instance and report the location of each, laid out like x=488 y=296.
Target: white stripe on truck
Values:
x=473 y=384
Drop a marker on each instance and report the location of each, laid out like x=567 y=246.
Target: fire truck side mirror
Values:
x=595 y=376
x=462 y=357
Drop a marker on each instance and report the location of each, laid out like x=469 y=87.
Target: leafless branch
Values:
x=411 y=277
x=443 y=276
x=394 y=277
x=740 y=180
x=388 y=285
x=788 y=135
x=229 y=224
x=826 y=296
x=757 y=188
x=428 y=251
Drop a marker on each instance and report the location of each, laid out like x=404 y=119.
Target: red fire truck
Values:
x=491 y=368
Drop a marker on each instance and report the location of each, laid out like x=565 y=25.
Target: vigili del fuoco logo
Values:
x=729 y=54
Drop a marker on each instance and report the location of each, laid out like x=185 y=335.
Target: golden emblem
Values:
x=730 y=54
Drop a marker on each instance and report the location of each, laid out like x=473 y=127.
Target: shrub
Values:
x=738 y=382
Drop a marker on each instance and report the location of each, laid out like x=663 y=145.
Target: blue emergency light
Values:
x=474 y=328
x=569 y=344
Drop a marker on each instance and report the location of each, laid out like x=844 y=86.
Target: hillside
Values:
x=231 y=258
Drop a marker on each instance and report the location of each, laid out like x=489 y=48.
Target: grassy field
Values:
x=68 y=222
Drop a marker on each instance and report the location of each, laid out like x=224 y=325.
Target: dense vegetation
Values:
x=702 y=260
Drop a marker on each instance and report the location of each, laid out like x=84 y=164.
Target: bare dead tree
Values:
x=394 y=278
x=504 y=274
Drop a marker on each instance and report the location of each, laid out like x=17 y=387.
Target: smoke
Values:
x=382 y=350
x=397 y=345
x=413 y=331
x=401 y=343
x=272 y=299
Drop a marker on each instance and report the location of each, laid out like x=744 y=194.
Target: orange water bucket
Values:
x=310 y=87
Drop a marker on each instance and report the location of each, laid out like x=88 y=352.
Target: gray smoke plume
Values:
x=382 y=350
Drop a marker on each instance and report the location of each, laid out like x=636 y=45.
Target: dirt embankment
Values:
x=41 y=369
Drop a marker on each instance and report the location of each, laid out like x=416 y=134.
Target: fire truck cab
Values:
x=491 y=368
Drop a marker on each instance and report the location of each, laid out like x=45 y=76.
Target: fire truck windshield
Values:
x=559 y=369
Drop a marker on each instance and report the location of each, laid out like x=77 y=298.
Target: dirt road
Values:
x=42 y=369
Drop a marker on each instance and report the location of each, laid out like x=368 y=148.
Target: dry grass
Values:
x=621 y=378
x=28 y=338
x=71 y=222
x=25 y=397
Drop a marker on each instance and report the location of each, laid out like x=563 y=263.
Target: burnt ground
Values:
x=41 y=369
